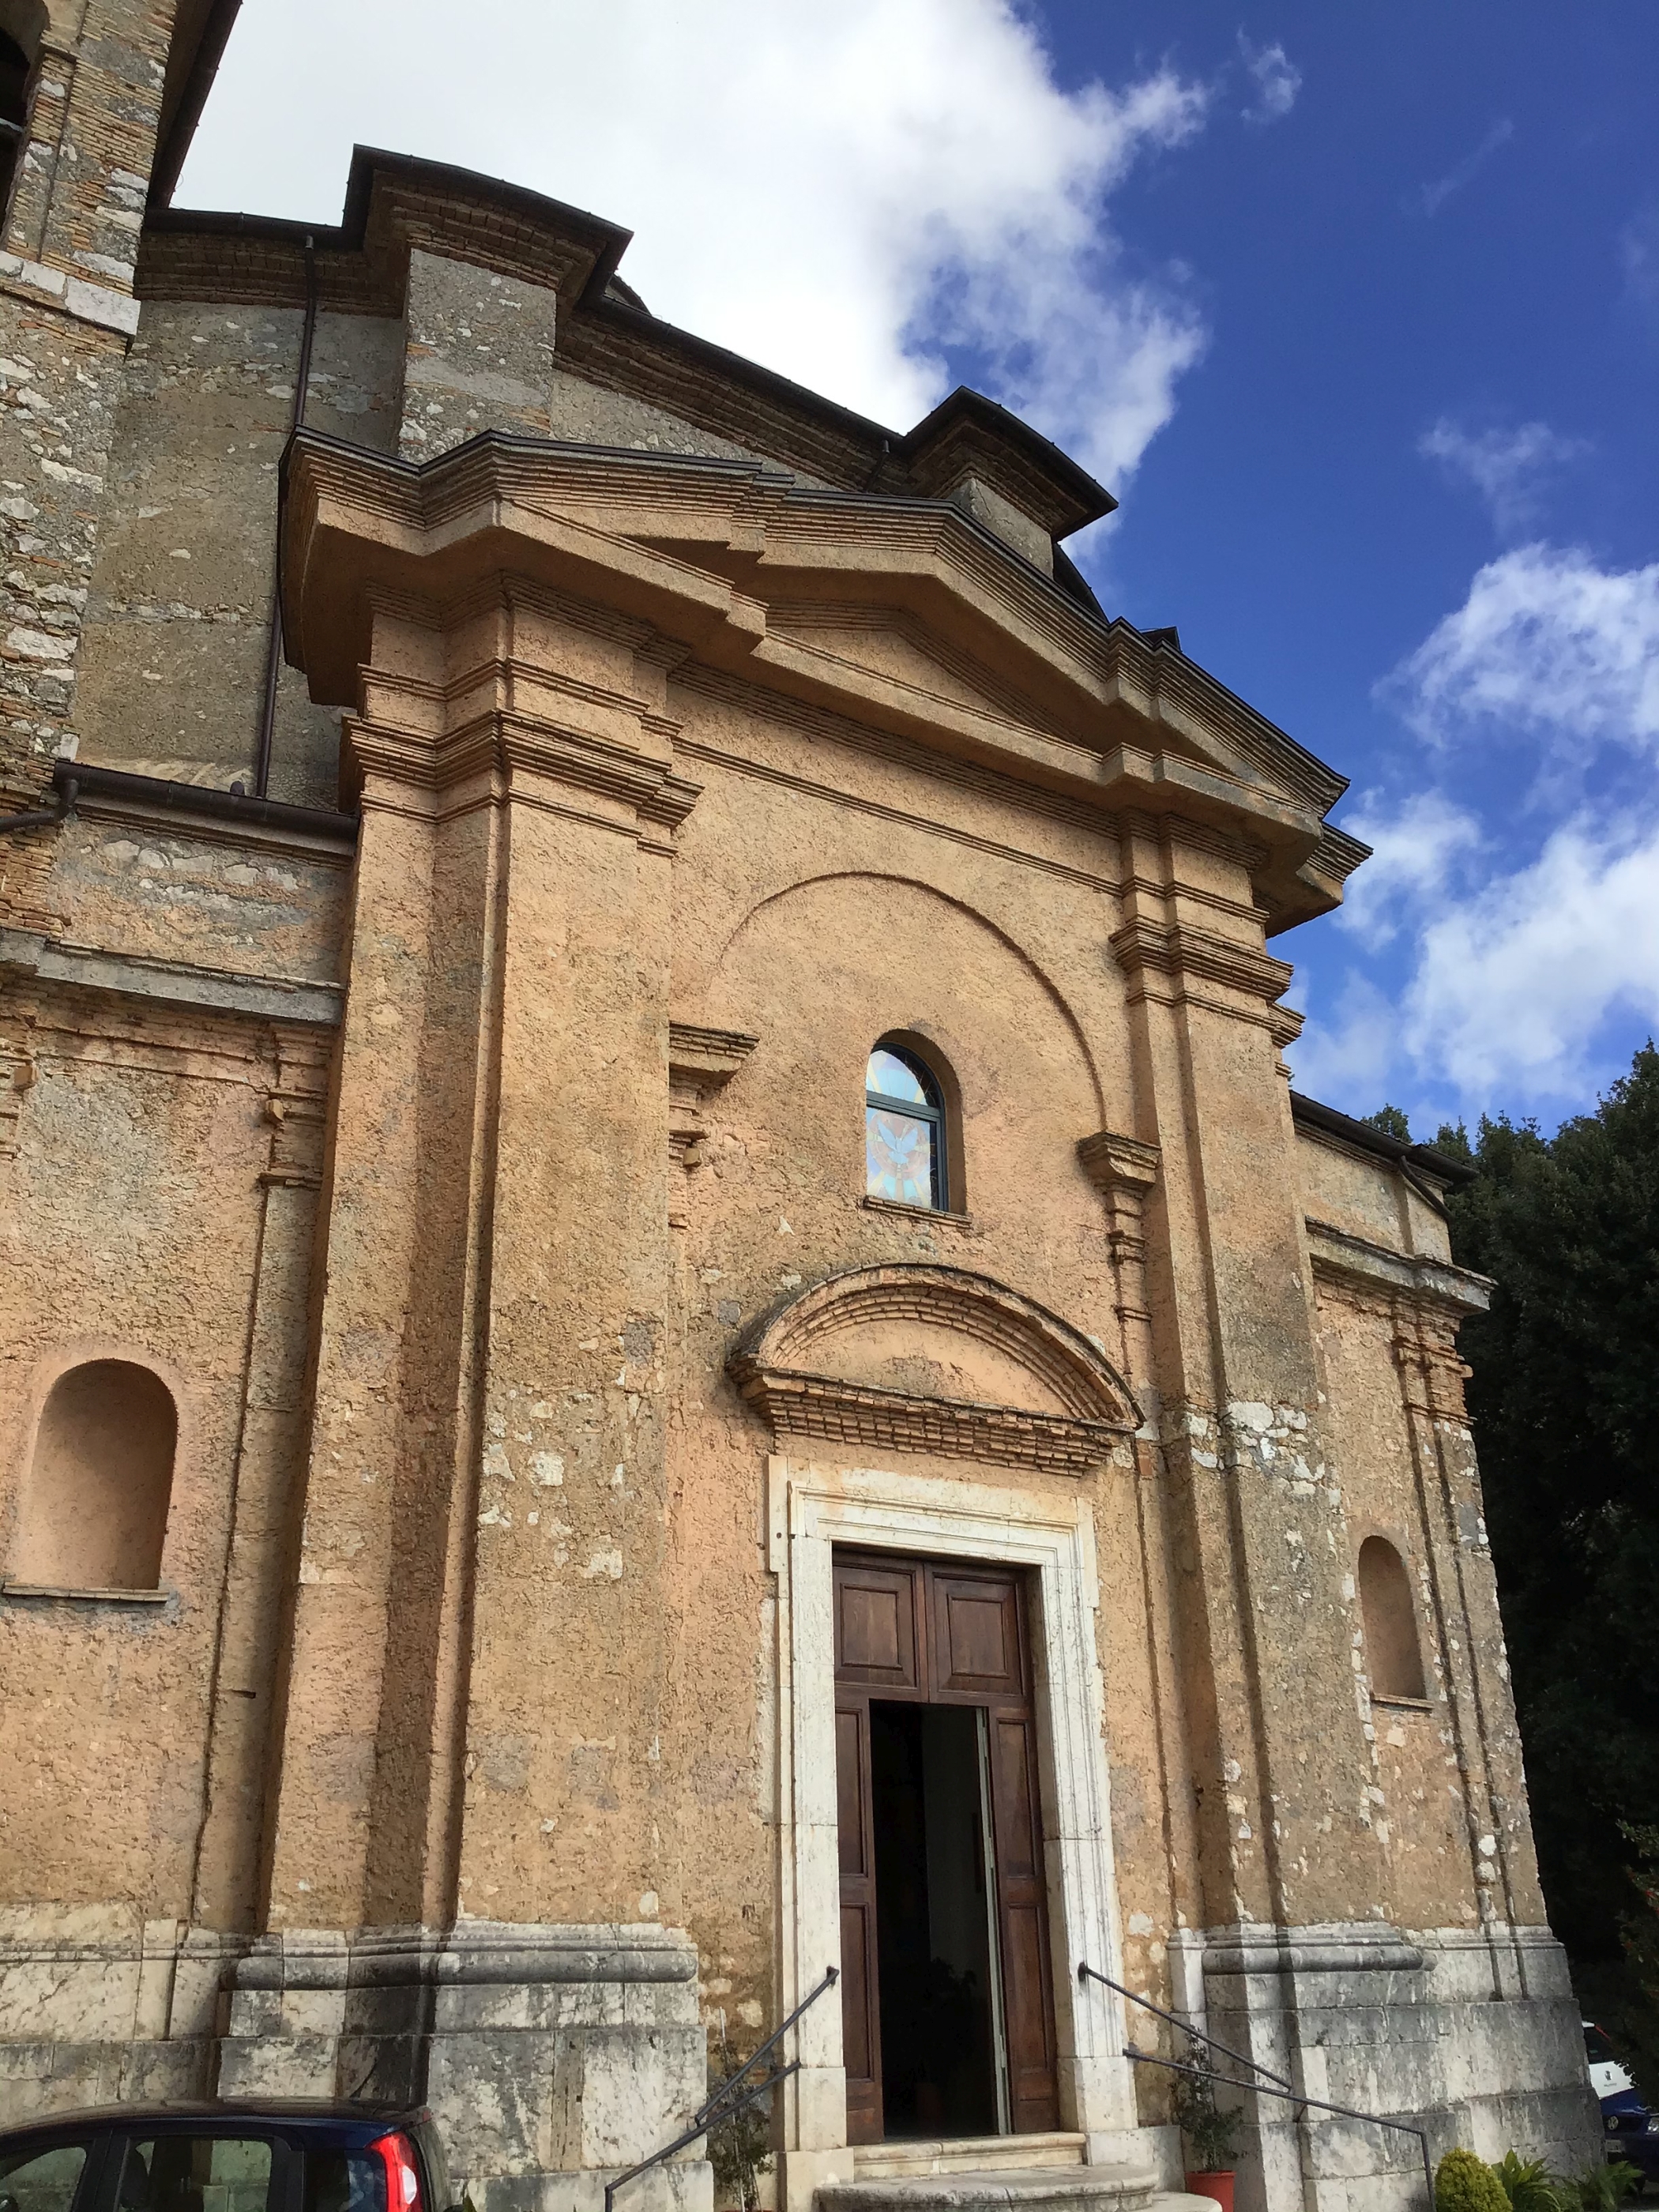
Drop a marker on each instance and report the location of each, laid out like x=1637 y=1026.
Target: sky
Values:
x=1355 y=307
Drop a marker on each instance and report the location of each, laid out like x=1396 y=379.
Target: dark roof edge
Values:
x=180 y=128
x=739 y=367
x=1308 y=1114
x=609 y=240
x=204 y=800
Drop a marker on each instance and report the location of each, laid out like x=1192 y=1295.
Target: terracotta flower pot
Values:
x=1217 y=2185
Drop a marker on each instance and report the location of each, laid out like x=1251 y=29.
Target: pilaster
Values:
x=473 y=1728
x=1279 y=1750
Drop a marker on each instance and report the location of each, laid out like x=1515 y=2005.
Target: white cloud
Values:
x=1512 y=984
x=1416 y=848
x=1522 y=953
x=841 y=193
x=1349 y=1055
x=1504 y=466
x=1278 y=80
x=1433 y=197
x=1546 y=643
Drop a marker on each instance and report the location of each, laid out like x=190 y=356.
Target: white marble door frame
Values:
x=811 y=1508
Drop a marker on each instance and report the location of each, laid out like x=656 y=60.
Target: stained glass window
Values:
x=903 y=1130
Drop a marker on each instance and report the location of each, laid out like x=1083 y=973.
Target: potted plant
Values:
x=1209 y=2135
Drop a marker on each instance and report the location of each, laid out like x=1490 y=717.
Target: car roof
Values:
x=369 y=2118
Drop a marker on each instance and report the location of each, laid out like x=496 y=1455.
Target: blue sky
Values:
x=1356 y=308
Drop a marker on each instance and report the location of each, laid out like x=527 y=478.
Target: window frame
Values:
x=283 y=2190
x=934 y=1111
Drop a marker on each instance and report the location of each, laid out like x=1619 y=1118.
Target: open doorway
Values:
x=947 y=2005
x=944 y=2066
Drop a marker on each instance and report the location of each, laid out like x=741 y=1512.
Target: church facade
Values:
x=666 y=1320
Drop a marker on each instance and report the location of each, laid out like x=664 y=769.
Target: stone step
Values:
x=1027 y=2188
x=906 y=2159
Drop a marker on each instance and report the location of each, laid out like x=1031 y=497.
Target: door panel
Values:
x=860 y=2007
x=977 y=1636
x=876 y=1626
x=851 y=1825
x=1022 y=1902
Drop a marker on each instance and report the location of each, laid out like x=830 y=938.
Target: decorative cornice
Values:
x=773 y=1366
x=873 y=1418
x=178 y=984
x=1338 y=1949
x=703 y=1061
x=1142 y=947
x=1113 y=722
x=1341 y=1257
x=1114 y=1162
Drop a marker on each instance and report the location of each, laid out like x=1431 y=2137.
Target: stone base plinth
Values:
x=1472 y=2036
x=551 y=2057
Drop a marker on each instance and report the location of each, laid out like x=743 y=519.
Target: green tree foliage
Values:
x=1565 y=1395
x=1392 y=1122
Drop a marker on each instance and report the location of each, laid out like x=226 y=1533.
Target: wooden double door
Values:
x=947 y=1999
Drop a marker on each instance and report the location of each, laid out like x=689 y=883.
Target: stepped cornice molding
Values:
x=697 y=549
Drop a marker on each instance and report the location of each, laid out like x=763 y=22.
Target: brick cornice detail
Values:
x=774 y=1366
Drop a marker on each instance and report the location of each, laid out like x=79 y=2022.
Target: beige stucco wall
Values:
x=438 y=1161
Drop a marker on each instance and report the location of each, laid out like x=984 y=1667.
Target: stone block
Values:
x=279 y=2066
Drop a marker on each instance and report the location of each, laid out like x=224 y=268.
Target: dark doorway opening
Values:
x=947 y=1989
x=941 y=2073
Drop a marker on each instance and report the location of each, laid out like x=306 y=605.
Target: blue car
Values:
x=226 y=2158
x=1630 y=2130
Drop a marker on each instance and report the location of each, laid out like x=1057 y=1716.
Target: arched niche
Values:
x=1394 y=1655
x=914 y=1357
x=94 y=1510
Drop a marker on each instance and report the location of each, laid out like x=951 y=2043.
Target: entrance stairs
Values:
x=996 y=2173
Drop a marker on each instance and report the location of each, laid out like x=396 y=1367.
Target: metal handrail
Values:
x=1085 y=1973
x=1286 y=2091
x=725 y=2103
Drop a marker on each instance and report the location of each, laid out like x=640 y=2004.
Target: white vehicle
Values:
x=1608 y=2077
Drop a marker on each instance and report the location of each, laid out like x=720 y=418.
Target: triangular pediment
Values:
x=901 y=614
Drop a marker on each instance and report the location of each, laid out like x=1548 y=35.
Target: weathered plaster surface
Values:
x=449 y=1165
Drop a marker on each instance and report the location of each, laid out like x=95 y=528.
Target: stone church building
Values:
x=666 y=1320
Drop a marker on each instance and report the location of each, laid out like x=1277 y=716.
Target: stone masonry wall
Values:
x=177 y=623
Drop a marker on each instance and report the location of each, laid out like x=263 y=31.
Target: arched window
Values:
x=95 y=1510
x=1393 y=1656
x=904 y=1131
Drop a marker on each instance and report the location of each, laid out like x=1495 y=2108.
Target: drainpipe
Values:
x=274 y=648
x=37 y=818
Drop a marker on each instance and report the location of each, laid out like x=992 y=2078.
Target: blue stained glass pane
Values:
x=888 y=1074
x=898 y=1156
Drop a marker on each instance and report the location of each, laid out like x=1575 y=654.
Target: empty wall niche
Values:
x=94 y=1514
x=1394 y=1656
